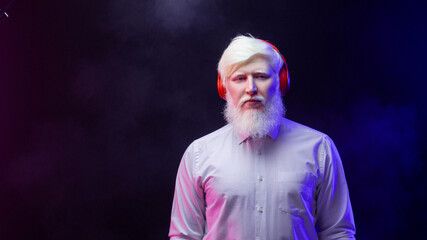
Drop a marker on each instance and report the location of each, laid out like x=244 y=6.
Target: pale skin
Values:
x=254 y=79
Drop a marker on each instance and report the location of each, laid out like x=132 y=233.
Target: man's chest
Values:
x=261 y=176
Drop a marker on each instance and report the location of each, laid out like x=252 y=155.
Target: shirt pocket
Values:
x=296 y=192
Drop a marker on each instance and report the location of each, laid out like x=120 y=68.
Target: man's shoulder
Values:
x=292 y=127
x=213 y=140
x=218 y=134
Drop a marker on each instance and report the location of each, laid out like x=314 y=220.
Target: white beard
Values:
x=254 y=122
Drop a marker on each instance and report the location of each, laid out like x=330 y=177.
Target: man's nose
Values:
x=251 y=87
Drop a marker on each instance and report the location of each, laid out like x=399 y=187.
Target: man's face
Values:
x=251 y=85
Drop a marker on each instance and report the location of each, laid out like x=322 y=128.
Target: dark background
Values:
x=99 y=99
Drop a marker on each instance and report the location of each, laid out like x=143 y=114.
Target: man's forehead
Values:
x=258 y=65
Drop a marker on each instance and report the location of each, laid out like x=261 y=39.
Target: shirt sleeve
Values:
x=188 y=208
x=334 y=213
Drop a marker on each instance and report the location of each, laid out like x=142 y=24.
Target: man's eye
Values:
x=239 y=78
x=262 y=76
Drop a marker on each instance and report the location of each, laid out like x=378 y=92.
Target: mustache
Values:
x=254 y=98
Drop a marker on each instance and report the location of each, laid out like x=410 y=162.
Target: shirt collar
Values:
x=273 y=133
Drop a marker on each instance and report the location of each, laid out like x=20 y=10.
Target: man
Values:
x=261 y=176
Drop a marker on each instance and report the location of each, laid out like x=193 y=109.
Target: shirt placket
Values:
x=260 y=190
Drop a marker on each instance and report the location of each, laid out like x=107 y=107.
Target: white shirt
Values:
x=289 y=185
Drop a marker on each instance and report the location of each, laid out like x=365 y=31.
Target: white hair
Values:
x=243 y=49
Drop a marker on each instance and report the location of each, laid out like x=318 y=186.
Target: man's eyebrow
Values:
x=237 y=74
x=261 y=71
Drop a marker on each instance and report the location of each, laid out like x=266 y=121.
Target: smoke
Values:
x=175 y=18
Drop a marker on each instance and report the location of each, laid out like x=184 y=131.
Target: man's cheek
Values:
x=271 y=92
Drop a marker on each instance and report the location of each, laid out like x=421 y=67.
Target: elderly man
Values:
x=262 y=176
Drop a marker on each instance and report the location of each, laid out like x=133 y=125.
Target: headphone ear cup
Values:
x=221 y=89
x=284 y=80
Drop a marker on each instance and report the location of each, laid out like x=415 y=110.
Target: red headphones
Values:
x=283 y=76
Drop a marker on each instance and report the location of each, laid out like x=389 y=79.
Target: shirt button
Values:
x=260 y=209
x=260 y=178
